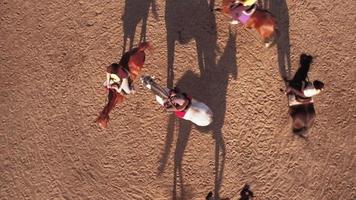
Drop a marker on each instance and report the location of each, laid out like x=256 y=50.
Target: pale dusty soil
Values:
x=53 y=56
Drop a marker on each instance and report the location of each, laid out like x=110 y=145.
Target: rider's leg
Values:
x=126 y=86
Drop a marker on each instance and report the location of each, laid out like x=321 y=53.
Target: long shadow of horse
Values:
x=279 y=9
x=136 y=11
x=187 y=20
x=210 y=87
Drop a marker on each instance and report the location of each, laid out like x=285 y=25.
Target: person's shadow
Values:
x=186 y=20
x=210 y=88
x=135 y=11
x=279 y=9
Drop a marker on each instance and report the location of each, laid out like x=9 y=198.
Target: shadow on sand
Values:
x=302 y=115
x=136 y=11
x=188 y=20
x=185 y=21
x=279 y=9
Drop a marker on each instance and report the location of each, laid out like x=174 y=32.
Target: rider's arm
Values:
x=295 y=91
x=250 y=10
x=125 y=86
x=108 y=79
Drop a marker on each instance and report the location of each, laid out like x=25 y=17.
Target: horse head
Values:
x=137 y=58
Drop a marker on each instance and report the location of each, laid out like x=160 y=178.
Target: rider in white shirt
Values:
x=123 y=74
x=309 y=90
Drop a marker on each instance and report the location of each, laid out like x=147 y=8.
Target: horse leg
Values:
x=113 y=99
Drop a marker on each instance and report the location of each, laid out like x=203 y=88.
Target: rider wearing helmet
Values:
x=177 y=102
x=247 y=2
x=121 y=85
x=241 y=11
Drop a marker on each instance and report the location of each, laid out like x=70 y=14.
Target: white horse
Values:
x=197 y=112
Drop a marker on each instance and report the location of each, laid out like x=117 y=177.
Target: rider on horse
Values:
x=241 y=11
x=121 y=72
x=300 y=85
x=308 y=89
x=177 y=103
x=122 y=84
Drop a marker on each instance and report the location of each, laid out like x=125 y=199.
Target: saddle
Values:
x=294 y=100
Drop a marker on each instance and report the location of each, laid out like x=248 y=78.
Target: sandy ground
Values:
x=53 y=57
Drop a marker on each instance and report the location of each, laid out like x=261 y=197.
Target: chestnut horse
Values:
x=134 y=59
x=261 y=20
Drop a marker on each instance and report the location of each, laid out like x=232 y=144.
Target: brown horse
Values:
x=134 y=59
x=261 y=20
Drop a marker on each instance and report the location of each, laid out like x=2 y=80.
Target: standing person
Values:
x=211 y=197
x=246 y=193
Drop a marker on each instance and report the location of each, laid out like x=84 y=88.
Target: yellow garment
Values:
x=248 y=2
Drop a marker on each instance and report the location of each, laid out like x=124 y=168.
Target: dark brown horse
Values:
x=134 y=60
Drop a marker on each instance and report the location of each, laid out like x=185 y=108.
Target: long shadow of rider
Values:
x=214 y=78
x=135 y=11
x=279 y=9
x=187 y=20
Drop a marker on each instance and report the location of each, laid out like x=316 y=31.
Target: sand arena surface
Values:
x=53 y=57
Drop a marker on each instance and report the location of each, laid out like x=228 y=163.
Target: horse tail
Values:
x=269 y=30
x=272 y=39
x=114 y=98
x=144 y=45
